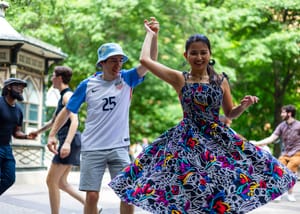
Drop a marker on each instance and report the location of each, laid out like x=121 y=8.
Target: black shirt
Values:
x=10 y=118
x=60 y=106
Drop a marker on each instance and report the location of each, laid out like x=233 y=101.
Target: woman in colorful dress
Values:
x=201 y=165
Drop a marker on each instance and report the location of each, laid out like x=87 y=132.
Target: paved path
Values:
x=29 y=196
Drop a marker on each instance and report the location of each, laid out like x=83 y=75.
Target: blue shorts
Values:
x=93 y=165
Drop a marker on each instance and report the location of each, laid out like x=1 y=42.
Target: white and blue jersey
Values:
x=108 y=102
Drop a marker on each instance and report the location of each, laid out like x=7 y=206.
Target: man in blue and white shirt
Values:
x=105 y=139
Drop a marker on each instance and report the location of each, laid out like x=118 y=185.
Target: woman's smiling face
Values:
x=198 y=56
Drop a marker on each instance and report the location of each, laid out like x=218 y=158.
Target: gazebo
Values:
x=29 y=59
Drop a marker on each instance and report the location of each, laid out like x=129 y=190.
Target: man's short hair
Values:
x=65 y=72
x=290 y=109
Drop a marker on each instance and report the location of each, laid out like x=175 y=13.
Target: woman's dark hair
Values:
x=213 y=76
x=65 y=72
x=197 y=38
x=290 y=109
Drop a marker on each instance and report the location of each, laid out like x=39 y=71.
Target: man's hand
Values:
x=52 y=142
x=254 y=142
x=65 y=150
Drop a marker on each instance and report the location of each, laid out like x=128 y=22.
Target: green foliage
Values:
x=152 y=113
x=256 y=42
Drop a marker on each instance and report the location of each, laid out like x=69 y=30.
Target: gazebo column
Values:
x=13 y=57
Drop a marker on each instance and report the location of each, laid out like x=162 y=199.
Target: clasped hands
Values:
x=152 y=25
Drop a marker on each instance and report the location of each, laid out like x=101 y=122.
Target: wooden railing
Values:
x=29 y=156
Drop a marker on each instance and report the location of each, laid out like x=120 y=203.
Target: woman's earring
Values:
x=212 y=62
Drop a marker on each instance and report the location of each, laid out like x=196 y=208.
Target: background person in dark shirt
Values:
x=11 y=118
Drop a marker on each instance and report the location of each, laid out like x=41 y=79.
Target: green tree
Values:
x=265 y=53
x=255 y=42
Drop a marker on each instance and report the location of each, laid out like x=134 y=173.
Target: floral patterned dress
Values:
x=201 y=165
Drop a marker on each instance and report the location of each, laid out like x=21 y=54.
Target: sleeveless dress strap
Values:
x=224 y=75
x=185 y=75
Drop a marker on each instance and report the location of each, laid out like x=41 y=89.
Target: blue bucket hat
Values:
x=110 y=49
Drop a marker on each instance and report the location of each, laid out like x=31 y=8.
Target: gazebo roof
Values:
x=10 y=37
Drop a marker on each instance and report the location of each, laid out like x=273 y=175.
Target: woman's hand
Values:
x=249 y=100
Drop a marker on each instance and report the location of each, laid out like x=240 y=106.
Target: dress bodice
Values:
x=201 y=102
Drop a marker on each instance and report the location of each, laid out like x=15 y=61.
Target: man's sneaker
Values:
x=277 y=199
x=291 y=198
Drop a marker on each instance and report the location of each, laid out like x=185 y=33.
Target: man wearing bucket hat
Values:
x=11 y=118
x=105 y=140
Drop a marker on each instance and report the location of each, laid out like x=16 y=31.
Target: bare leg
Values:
x=91 y=202
x=53 y=189
x=126 y=208
x=56 y=179
x=65 y=186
